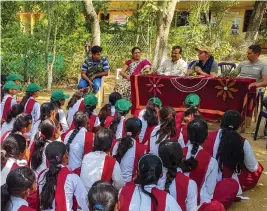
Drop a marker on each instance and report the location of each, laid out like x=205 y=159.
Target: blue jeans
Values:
x=84 y=83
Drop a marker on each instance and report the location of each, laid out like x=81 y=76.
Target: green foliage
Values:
x=215 y=34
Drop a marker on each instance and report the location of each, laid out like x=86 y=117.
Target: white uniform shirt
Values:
x=141 y=201
x=72 y=187
x=7 y=126
x=120 y=128
x=181 y=140
x=76 y=148
x=113 y=110
x=154 y=148
x=73 y=110
x=43 y=164
x=35 y=111
x=92 y=168
x=127 y=162
x=207 y=189
x=2 y=105
x=63 y=120
x=34 y=130
x=191 y=198
x=144 y=125
x=16 y=203
x=249 y=159
x=7 y=168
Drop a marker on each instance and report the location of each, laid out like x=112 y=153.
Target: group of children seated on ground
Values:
x=156 y=160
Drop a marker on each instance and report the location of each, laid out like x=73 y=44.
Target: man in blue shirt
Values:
x=93 y=69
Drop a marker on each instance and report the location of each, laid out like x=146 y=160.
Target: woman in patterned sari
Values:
x=135 y=66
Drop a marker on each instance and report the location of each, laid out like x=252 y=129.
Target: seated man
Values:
x=254 y=68
x=175 y=66
x=93 y=69
x=206 y=65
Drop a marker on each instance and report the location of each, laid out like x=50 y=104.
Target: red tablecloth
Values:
x=217 y=94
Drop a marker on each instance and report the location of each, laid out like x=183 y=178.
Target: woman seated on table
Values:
x=206 y=65
x=132 y=67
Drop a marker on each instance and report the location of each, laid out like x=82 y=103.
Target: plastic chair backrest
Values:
x=227 y=67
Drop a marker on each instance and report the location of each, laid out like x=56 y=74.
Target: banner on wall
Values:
x=120 y=19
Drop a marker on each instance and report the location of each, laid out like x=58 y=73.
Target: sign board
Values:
x=120 y=19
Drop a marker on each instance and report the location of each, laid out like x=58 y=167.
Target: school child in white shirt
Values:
x=90 y=102
x=150 y=118
x=142 y=194
x=12 y=153
x=74 y=105
x=49 y=132
x=47 y=111
x=79 y=141
x=198 y=164
x=103 y=196
x=173 y=181
x=99 y=165
x=31 y=106
x=11 y=116
x=22 y=125
x=108 y=110
x=58 y=98
x=128 y=150
x=20 y=183
x=165 y=130
x=234 y=153
x=57 y=185
x=9 y=90
x=117 y=125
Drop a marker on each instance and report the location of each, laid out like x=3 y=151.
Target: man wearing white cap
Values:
x=206 y=65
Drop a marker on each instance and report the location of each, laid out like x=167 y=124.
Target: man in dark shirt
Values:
x=93 y=69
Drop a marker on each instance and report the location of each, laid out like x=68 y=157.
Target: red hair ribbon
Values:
x=42 y=135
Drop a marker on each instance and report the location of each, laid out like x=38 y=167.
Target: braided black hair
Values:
x=80 y=120
x=47 y=130
x=133 y=127
x=230 y=150
x=171 y=154
x=151 y=115
x=150 y=170
x=26 y=98
x=168 y=124
x=117 y=118
x=197 y=132
x=54 y=152
x=75 y=97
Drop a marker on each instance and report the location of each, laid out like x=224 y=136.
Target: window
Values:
x=180 y=19
x=248 y=14
x=104 y=17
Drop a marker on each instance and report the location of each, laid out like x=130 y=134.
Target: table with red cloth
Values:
x=217 y=94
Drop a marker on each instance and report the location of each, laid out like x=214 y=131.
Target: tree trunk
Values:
x=255 y=22
x=51 y=66
x=164 y=19
x=48 y=34
x=95 y=27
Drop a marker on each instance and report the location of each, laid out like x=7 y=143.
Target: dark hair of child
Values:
x=133 y=127
x=197 y=132
x=102 y=196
